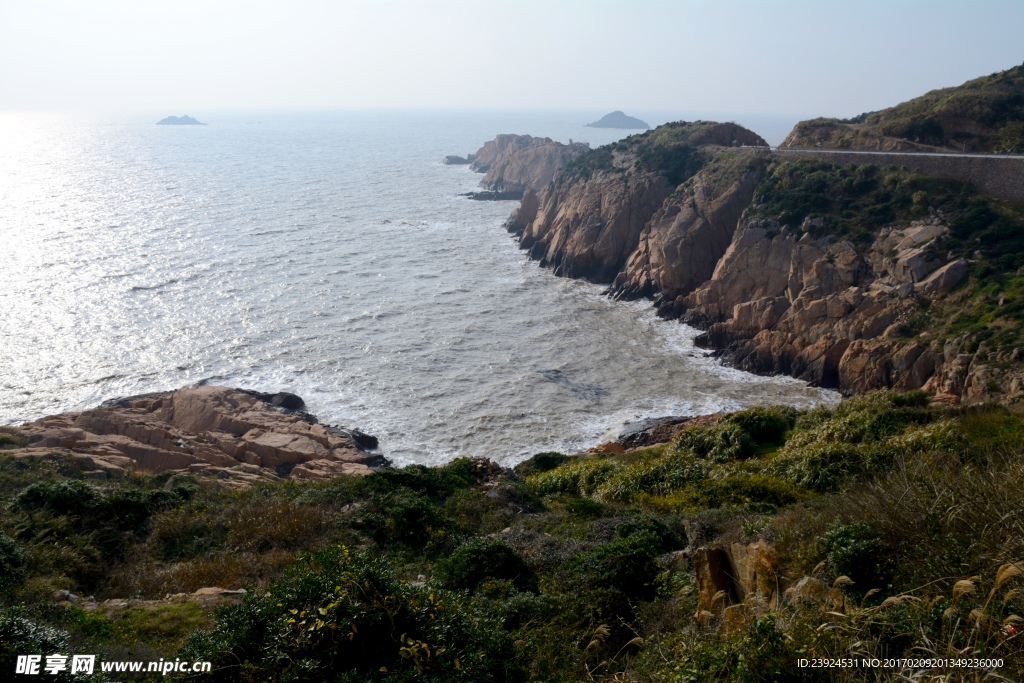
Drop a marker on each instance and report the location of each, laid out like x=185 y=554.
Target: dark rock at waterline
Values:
x=281 y=399
x=453 y=160
x=514 y=195
x=647 y=431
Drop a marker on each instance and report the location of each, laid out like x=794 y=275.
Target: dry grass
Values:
x=229 y=571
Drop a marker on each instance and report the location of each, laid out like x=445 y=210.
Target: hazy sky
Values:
x=821 y=57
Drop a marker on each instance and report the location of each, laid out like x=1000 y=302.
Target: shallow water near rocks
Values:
x=328 y=254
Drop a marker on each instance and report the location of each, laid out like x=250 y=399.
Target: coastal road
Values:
x=836 y=150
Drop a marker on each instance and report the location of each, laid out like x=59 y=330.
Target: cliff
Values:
x=596 y=218
x=871 y=289
x=983 y=115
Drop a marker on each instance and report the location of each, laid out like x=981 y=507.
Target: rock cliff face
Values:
x=819 y=311
x=680 y=244
x=635 y=216
x=589 y=229
x=240 y=437
x=516 y=163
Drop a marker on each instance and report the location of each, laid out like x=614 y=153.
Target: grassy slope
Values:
x=984 y=114
x=553 y=574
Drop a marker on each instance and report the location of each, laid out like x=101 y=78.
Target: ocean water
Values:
x=329 y=254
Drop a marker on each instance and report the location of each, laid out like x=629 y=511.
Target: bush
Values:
x=722 y=443
x=765 y=424
x=12 y=562
x=646 y=524
x=541 y=462
x=66 y=497
x=344 y=616
x=853 y=550
x=403 y=517
x=480 y=559
x=21 y=636
x=579 y=478
x=655 y=476
x=625 y=565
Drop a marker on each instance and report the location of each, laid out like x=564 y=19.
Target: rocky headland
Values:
x=851 y=276
x=237 y=436
x=513 y=164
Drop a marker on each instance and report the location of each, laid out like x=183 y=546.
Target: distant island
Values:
x=618 y=120
x=183 y=121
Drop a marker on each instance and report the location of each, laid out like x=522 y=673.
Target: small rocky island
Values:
x=619 y=120
x=179 y=121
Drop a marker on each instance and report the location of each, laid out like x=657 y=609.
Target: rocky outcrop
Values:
x=239 y=436
x=821 y=311
x=589 y=229
x=681 y=243
x=517 y=163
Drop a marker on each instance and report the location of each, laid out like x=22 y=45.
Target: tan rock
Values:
x=208 y=430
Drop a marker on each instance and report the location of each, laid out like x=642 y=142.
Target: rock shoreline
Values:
x=241 y=437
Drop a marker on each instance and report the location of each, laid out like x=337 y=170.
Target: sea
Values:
x=330 y=254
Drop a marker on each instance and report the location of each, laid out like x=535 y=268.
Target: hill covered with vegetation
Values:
x=984 y=115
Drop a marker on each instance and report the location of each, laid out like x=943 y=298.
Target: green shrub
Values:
x=579 y=478
x=12 y=562
x=655 y=476
x=404 y=517
x=853 y=550
x=584 y=508
x=646 y=524
x=65 y=497
x=541 y=462
x=765 y=424
x=342 y=616
x=764 y=654
x=625 y=565
x=480 y=559
x=721 y=443
x=21 y=636
x=754 y=491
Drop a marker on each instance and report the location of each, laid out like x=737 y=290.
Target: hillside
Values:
x=879 y=529
x=982 y=115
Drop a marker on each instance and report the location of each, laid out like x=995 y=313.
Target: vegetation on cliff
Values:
x=671 y=150
x=984 y=114
x=882 y=528
x=854 y=202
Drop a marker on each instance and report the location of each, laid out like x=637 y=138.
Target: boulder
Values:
x=945 y=279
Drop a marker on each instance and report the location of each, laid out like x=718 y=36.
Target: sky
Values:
x=821 y=58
